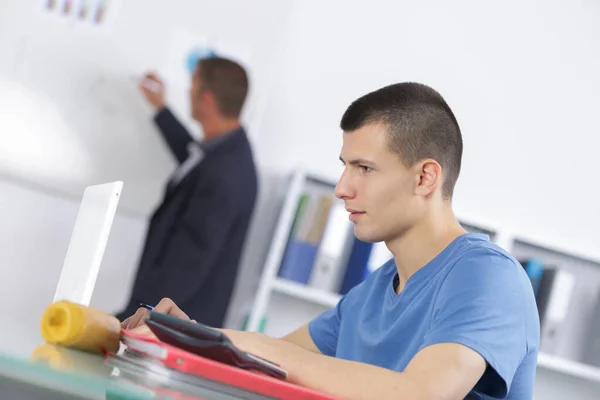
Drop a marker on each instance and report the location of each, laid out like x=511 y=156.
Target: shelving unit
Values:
x=306 y=293
x=568 y=367
x=517 y=244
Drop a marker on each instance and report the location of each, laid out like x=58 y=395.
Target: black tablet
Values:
x=207 y=342
x=195 y=329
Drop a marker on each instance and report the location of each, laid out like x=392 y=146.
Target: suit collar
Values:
x=211 y=144
x=232 y=138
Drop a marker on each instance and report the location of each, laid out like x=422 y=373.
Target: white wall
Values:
x=521 y=77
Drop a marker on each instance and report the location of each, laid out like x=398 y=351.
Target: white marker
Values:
x=149 y=84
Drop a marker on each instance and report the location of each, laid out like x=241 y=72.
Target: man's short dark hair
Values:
x=419 y=122
x=228 y=81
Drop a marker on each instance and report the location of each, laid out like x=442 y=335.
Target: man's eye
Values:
x=366 y=169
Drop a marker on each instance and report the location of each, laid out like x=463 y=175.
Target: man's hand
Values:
x=165 y=306
x=154 y=90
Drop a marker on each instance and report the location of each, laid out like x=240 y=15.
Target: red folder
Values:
x=186 y=362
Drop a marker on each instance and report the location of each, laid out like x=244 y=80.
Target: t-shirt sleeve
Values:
x=481 y=305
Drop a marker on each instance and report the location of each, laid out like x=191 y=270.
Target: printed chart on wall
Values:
x=96 y=15
x=184 y=50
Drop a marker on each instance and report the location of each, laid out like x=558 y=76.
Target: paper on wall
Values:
x=91 y=15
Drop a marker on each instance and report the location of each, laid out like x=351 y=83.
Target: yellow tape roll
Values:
x=78 y=327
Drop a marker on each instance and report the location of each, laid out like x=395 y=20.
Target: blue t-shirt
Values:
x=473 y=293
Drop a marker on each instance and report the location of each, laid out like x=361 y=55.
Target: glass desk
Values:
x=30 y=368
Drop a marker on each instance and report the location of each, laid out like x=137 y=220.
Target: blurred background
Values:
x=521 y=76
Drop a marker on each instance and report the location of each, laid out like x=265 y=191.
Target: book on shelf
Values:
x=307 y=230
x=534 y=269
x=333 y=251
x=364 y=259
x=554 y=298
x=592 y=355
x=553 y=288
x=357 y=267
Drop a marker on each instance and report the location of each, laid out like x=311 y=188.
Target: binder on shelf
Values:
x=364 y=259
x=298 y=261
x=554 y=298
x=318 y=222
x=357 y=268
x=592 y=355
x=534 y=269
x=333 y=252
x=553 y=288
x=307 y=231
x=300 y=210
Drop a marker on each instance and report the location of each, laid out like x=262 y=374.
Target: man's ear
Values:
x=429 y=177
x=209 y=100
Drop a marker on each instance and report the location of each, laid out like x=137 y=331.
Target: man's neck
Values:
x=423 y=242
x=219 y=127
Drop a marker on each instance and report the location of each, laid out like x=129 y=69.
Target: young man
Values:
x=452 y=316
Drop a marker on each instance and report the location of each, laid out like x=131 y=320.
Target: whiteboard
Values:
x=71 y=112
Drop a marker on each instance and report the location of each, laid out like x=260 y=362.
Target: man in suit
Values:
x=195 y=238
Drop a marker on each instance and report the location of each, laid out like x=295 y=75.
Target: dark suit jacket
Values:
x=195 y=238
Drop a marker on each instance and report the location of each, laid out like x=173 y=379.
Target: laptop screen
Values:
x=88 y=241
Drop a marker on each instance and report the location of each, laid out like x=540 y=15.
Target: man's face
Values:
x=376 y=187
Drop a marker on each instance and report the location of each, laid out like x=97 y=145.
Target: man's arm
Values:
x=174 y=133
x=301 y=337
x=445 y=371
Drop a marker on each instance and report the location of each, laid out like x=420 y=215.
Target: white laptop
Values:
x=88 y=241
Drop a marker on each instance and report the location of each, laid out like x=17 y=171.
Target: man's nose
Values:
x=343 y=189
